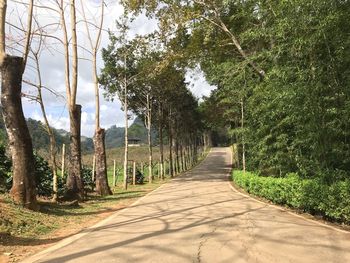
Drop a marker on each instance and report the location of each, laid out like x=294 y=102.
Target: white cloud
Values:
x=52 y=69
x=197 y=83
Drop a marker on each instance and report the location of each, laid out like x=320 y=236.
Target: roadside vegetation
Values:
x=281 y=69
x=314 y=196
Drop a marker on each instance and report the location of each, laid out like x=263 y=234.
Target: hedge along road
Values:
x=198 y=218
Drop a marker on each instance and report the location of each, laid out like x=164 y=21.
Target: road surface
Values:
x=199 y=218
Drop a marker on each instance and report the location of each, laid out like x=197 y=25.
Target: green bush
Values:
x=5 y=169
x=310 y=195
x=43 y=176
x=89 y=184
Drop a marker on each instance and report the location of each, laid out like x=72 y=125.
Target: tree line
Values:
x=148 y=83
x=282 y=72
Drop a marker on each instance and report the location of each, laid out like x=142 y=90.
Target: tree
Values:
x=39 y=98
x=12 y=68
x=176 y=16
x=75 y=187
x=102 y=187
x=294 y=120
x=119 y=73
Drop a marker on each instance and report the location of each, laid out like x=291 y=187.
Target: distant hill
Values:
x=41 y=139
x=114 y=135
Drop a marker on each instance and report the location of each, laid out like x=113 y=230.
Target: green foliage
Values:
x=43 y=178
x=40 y=137
x=310 y=195
x=115 y=135
x=296 y=118
x=5 y=168
x=89 y=184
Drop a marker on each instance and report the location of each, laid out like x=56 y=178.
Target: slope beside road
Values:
x=198 y=218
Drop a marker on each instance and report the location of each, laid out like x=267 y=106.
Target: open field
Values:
x=138 y=154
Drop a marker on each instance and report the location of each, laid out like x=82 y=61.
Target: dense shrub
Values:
x=43 y=178
x=5 y=169
x=310 y=195
x=89 y=184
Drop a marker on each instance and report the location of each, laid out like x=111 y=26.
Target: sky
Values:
x=52 y=67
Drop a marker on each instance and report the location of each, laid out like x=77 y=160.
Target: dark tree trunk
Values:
x=102 y=187
x=23 y=189
x=75 y=187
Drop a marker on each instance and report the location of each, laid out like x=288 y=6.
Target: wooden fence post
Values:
x=93 y=168
x=134 y=173
x=114 y=173
x=63 y=159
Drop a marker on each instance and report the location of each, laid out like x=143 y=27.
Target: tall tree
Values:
x=36 y=53
x=75 y=187
x=119 y=73
x=102 y=187
x=12 y=68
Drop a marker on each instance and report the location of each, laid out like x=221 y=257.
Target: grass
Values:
x=17 y=221
x=138 y=154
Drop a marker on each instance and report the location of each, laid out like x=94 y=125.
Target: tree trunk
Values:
x=149 y=123
x=195 y=149
x=161 y=149
x=102 y=187
x=171 y=163
x=53 y=164
x=243 y=143
x=52 y=144
x=182 y=158
x=23 y=187
x=63 y=160
x=177 y=163
x=48 y=129
x=75 y=186
x=189 y=155
x=126 y=141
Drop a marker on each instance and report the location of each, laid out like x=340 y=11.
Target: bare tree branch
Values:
x=28 y=33
x=3 y=7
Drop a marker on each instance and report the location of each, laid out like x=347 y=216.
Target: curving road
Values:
x=199 y=218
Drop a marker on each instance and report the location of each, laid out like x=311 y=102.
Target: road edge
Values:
x=281 y=208
x=69 y=240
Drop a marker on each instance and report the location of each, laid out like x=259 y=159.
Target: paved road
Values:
x=199 y=218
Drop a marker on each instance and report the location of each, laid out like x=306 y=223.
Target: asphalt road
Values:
x=199 y=218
